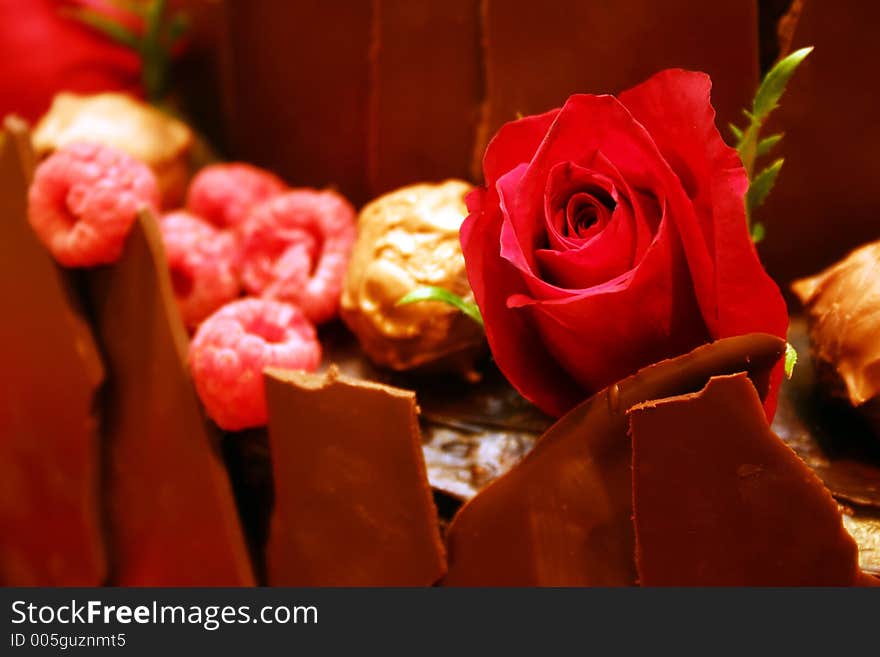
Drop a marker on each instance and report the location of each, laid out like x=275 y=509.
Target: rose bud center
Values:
x=587 y=213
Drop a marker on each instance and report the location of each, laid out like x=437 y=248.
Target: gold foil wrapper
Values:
x=118 y=120
x=409 y=239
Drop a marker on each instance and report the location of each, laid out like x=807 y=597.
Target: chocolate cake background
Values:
x=270 y=61
x=425 y=84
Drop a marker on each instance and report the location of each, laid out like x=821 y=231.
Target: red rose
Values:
x=43 y=51
x=611 y=234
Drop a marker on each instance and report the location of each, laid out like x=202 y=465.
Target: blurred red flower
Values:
x=44 y=51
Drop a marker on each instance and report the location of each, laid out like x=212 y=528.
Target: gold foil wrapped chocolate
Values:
x=843 y=313
x=118 y=120
x=409 y=239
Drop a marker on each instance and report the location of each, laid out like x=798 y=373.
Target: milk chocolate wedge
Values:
x=720 y=500
x=352 y=502
x=173 y=520
x=50 y=371
x=563 y=516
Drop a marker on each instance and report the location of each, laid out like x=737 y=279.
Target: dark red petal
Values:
x=512 y=335
x=604 y=257
x=612 y=330
x=565 y=181
x=674 y=106
x=586 y=128
x=514 y=144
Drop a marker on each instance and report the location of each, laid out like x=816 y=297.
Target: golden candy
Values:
x=118 y=120
x=408 y=239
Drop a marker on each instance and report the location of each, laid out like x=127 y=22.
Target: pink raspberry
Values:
x=84 y=200
x=224 y=194
x=296 y=247
x=232 y=348
x=204 y=265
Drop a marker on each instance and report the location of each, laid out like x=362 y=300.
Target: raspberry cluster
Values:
x=242 y=229
x=84 y=200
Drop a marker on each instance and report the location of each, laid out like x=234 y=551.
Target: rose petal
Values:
x=565 y=181
x=586 y=126
x=619 y=247
x=536 y=374
x=598 y=337
x=606 y=256
x=513 y=144
x=675 y=107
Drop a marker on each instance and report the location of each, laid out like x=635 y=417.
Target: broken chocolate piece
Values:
x=843 y=313
x=352 y=501
x=720 y=500
x=49 y=453
x=563 y=515
x=173 y=520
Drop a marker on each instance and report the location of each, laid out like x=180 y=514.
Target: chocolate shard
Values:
x=50 y=525
x=297 y=90
x=535 y=57
x=563 y=515
x=842 y=306
x=173 y=520
x=720 y=500
x=426 y=86
x=352 y=502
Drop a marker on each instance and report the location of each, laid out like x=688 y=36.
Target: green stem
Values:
x=431 y=293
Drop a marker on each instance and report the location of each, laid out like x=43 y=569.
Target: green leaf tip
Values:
x=768 y=143
x=791 y=357
x=774 y=83
x=758 y=232
x=762 y=185
x=749 y=143
x=431 y=293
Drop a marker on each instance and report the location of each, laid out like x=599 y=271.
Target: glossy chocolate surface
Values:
x=719 y=500
x=352 y=501
x=563 y=516
x=50 y=522
x=172 y=516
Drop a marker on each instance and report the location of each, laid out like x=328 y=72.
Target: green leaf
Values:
x=758 y=232
x=774 y=83
x=791 y=357
x=766 y=145
x=444 y=296
x=106 y=26
x=762 y=185
x=736 y=132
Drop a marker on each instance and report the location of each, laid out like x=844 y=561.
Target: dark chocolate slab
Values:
x=426 y=87
x=537 y=54
x=172 y=516
x=563 y=516
x=50 y=524
x=719 y=500
x=297 y=90
x=352 y=501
